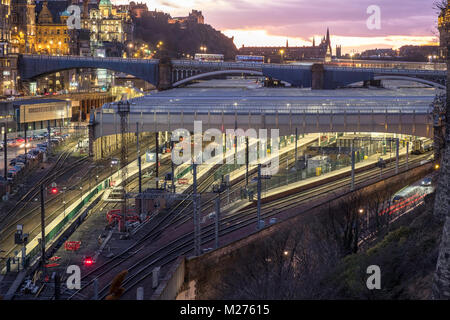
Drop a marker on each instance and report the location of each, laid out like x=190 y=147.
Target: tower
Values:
x=328 y=42
x=338 y=51
x=23 y=31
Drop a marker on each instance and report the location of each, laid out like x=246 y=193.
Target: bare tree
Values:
x=440 y=5
x=288 y=265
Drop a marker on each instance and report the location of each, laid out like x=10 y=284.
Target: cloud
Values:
x=302 y=19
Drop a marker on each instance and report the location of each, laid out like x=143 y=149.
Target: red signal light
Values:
x=54 y=190
x=88 y=261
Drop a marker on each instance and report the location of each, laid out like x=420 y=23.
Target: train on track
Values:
x=422 y=145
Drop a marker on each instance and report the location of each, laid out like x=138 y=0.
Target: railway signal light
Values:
x=54 y=190
x=88 y=261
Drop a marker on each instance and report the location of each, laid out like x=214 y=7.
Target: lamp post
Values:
x=64 y=200
x=282 y=56
x=5 y=149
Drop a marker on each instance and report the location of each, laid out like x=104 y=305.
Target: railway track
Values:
x=158 y=226
x=56 y=170
x=184 y=244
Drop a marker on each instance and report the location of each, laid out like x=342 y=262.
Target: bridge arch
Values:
x=215 y=73
x=419 y=80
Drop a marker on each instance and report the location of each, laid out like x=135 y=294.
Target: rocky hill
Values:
x=179 y=40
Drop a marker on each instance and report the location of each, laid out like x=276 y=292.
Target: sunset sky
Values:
x=264 y=22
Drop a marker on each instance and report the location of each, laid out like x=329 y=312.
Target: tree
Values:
x=440 y=5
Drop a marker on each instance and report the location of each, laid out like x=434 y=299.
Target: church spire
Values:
x=287 y=43
x=328 y=40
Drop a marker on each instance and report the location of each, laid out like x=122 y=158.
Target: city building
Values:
x=109 y=27
x=138 y=9
x=52 y=31
x=5 y=38
x=23 y=26
x=420 y=53
x=287 y=53
x=379 y=53
x=39 y=113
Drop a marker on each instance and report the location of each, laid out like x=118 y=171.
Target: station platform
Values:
x=370 y=161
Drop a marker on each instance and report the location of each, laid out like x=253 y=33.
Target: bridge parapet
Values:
x=32 y=66
x=299 y=75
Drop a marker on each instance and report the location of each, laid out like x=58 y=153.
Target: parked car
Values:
x=42 y=145
x=31 y=156
x=20 y=165
x=35 y=151
x=427 y=181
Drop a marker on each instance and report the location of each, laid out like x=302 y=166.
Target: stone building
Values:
x=278 y=54
x=23 y=26
x=108 y=25
x=195 y=16
x=6 y=82
x=51 y=31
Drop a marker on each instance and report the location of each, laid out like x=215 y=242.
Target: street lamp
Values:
x=361 y=212
x=282 y=55
x=351 y=56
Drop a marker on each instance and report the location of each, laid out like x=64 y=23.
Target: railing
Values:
x=387 y=70
x=281 y=109
x=89 y=59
